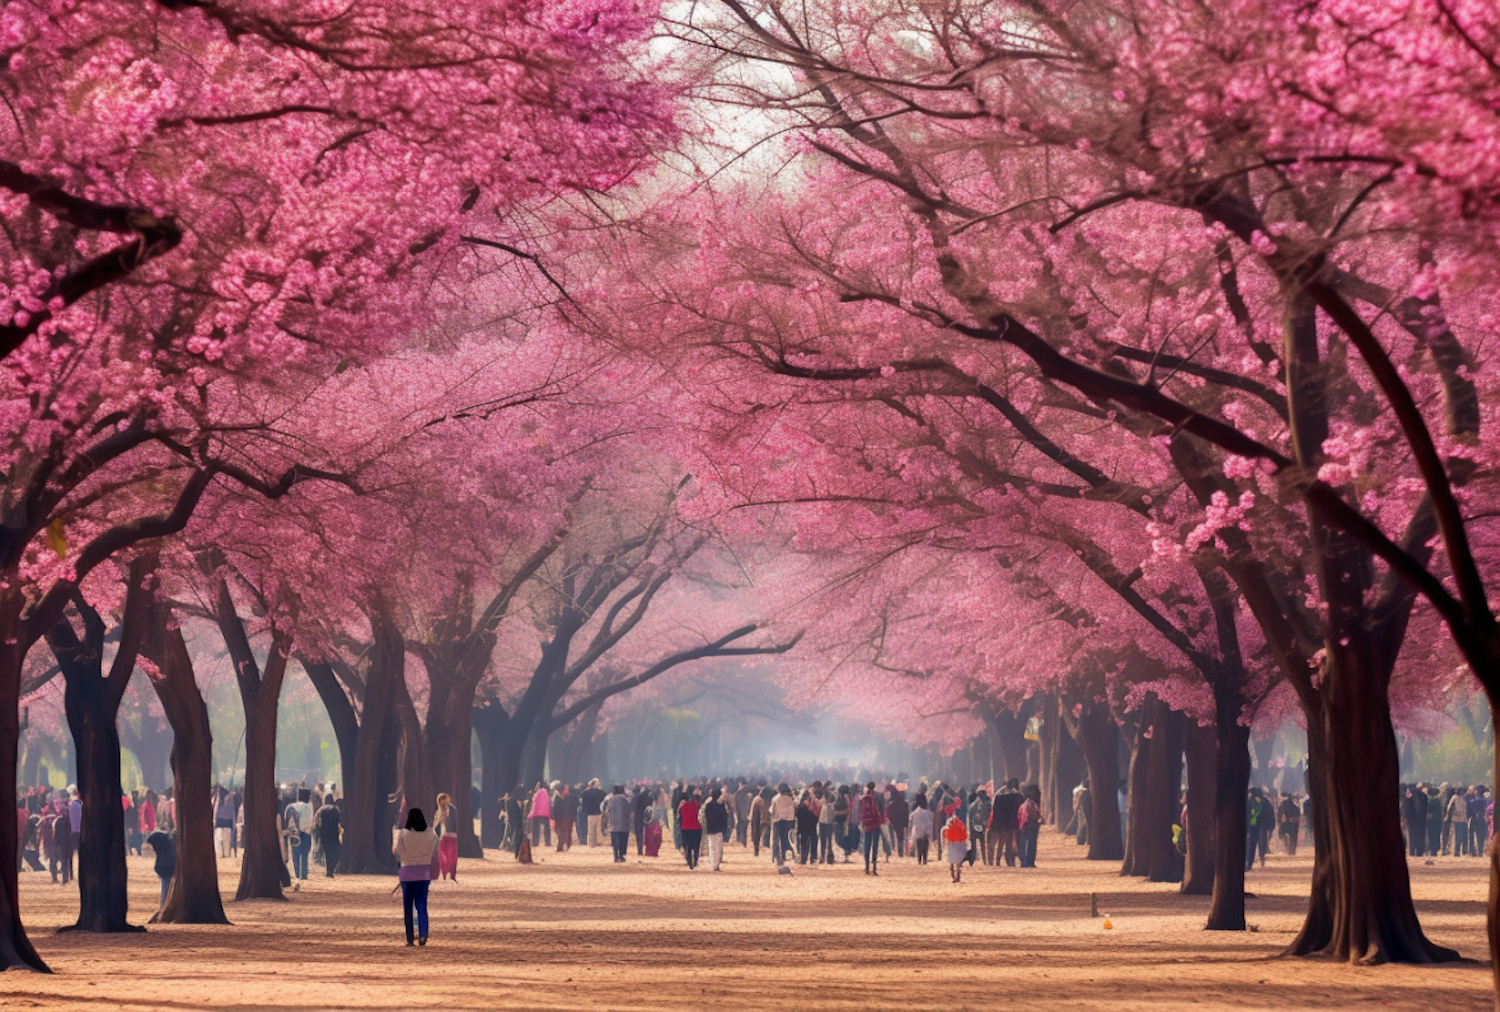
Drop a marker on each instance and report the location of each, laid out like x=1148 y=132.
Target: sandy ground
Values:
x=578 y=932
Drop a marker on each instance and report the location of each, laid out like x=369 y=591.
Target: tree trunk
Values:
x=1010 y=728
x=1361 y=910
x=262 y=868
x=371 y=775
x=91 y=701
x=1163 y=787
x=494 y=781
x=453 y=761
x=1095 y=731
x=1049 y=710
x=416 y=776
x=1226 y=908
x=1136 y=792
x=1068 y=771
x=16 y=950
x=1202 y=790
x=103 y=898
x=193 y=897
x=534 y=759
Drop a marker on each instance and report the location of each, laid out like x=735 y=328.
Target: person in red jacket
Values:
x=871 y=818
x=691 y=827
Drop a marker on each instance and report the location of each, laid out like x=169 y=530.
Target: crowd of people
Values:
x=819 y=823
x=826 y=820
x=1447 y=819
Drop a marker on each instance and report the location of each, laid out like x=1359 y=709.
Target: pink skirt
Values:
x=448 y=855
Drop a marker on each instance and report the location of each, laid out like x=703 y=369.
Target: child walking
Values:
x=956 y=835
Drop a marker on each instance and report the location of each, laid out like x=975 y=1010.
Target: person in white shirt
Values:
x=297 y=824
x=414 y=847
x=921 y=828
x=783 y=818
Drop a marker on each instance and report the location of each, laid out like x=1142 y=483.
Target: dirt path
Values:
x=577 y=932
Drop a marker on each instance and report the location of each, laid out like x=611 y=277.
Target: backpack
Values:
x=869 y=810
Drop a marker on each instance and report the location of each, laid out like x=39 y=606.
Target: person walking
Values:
x=807 y=827
x=298 y=826
x=1458 y=821
x=414 y=848
x=164 y=847
x=445 y=824
x=617 y=811
x=744 y=798
x=691 y=826
x=898 y=816
x=1479 y=834
x=921 y=828
x=540 y=816
x=980 y=807
x=1004 y=824
x=871 y=818
x=223 y=819
x=640 y=817
x=328 y=825
x=846 y=829
x=759 y=814
x=783 y=818
x=592 y=801
x=62 y=843
x=1029 y=824
x=956 y=839
x=715 y=817
x=1289 y=823
x=564 y=812
x=826 y=826
x=75 y=825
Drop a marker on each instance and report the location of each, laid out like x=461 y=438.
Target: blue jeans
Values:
x=872 y=847
x=1026 y=844
x=299 y=856
x=414 y=894
x=783 y=840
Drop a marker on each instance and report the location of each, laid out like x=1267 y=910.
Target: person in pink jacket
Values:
x=540 y=816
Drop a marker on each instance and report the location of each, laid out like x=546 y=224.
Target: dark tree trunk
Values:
x=91 y=700
x=103 y=898
x=1049 y=710
x=571 y=753
x=1226 y=908
x=1361 y=908
x=1202 y=790
x=193 y=897
x=1164 y=787
x=1070 y=772
x=494 y=782
x=534 y=760
x=262 y=870
x=1010 y=729
x=1137 y=734
x=370 y=775
x=16 y=950
x=1095 y=731
x=449 y=734
x=416 y=776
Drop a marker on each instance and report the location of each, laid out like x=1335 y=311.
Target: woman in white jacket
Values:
x=414 y=848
